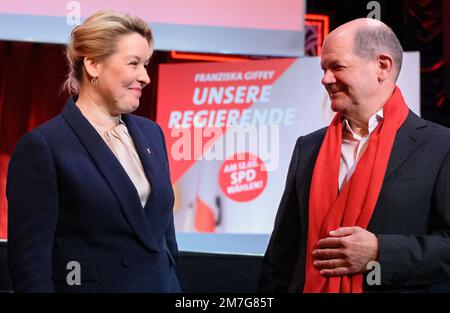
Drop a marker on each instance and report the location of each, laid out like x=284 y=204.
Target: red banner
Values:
x=196 y=108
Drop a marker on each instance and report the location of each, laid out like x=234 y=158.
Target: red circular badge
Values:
x=243 y=177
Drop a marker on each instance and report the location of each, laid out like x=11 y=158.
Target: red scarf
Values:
x=354 y=204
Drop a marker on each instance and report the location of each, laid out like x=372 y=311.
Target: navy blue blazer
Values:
x=411 y=218
x=69 y=199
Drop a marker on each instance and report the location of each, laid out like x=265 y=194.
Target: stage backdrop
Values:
x=230 y=130
x=253 y=27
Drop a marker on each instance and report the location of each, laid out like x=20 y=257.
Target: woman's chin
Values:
x=129 y=106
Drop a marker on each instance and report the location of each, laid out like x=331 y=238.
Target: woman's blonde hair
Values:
x=96 y=39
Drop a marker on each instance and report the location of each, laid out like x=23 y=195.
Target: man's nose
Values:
x=328 y=78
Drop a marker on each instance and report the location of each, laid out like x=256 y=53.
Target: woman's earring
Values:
x=94 y=82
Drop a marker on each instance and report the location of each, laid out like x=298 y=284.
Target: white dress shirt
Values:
x=353 y=147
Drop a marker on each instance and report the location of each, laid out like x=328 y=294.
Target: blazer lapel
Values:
x=113 y=172
x=153 y=161
x=408 y=139
x=144 y=148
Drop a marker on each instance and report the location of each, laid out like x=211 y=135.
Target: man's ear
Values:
x=385 y=67
x=92 y=67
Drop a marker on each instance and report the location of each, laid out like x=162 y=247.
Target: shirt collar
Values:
x=374 y=120
x=121 y=120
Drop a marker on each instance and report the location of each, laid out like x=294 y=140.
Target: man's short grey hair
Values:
x=371 y=41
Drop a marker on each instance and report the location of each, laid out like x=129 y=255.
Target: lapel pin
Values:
x=148 y=150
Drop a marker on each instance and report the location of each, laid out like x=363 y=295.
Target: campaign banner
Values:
x=230 y=130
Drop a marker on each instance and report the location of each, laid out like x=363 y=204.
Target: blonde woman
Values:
x=89 y=192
